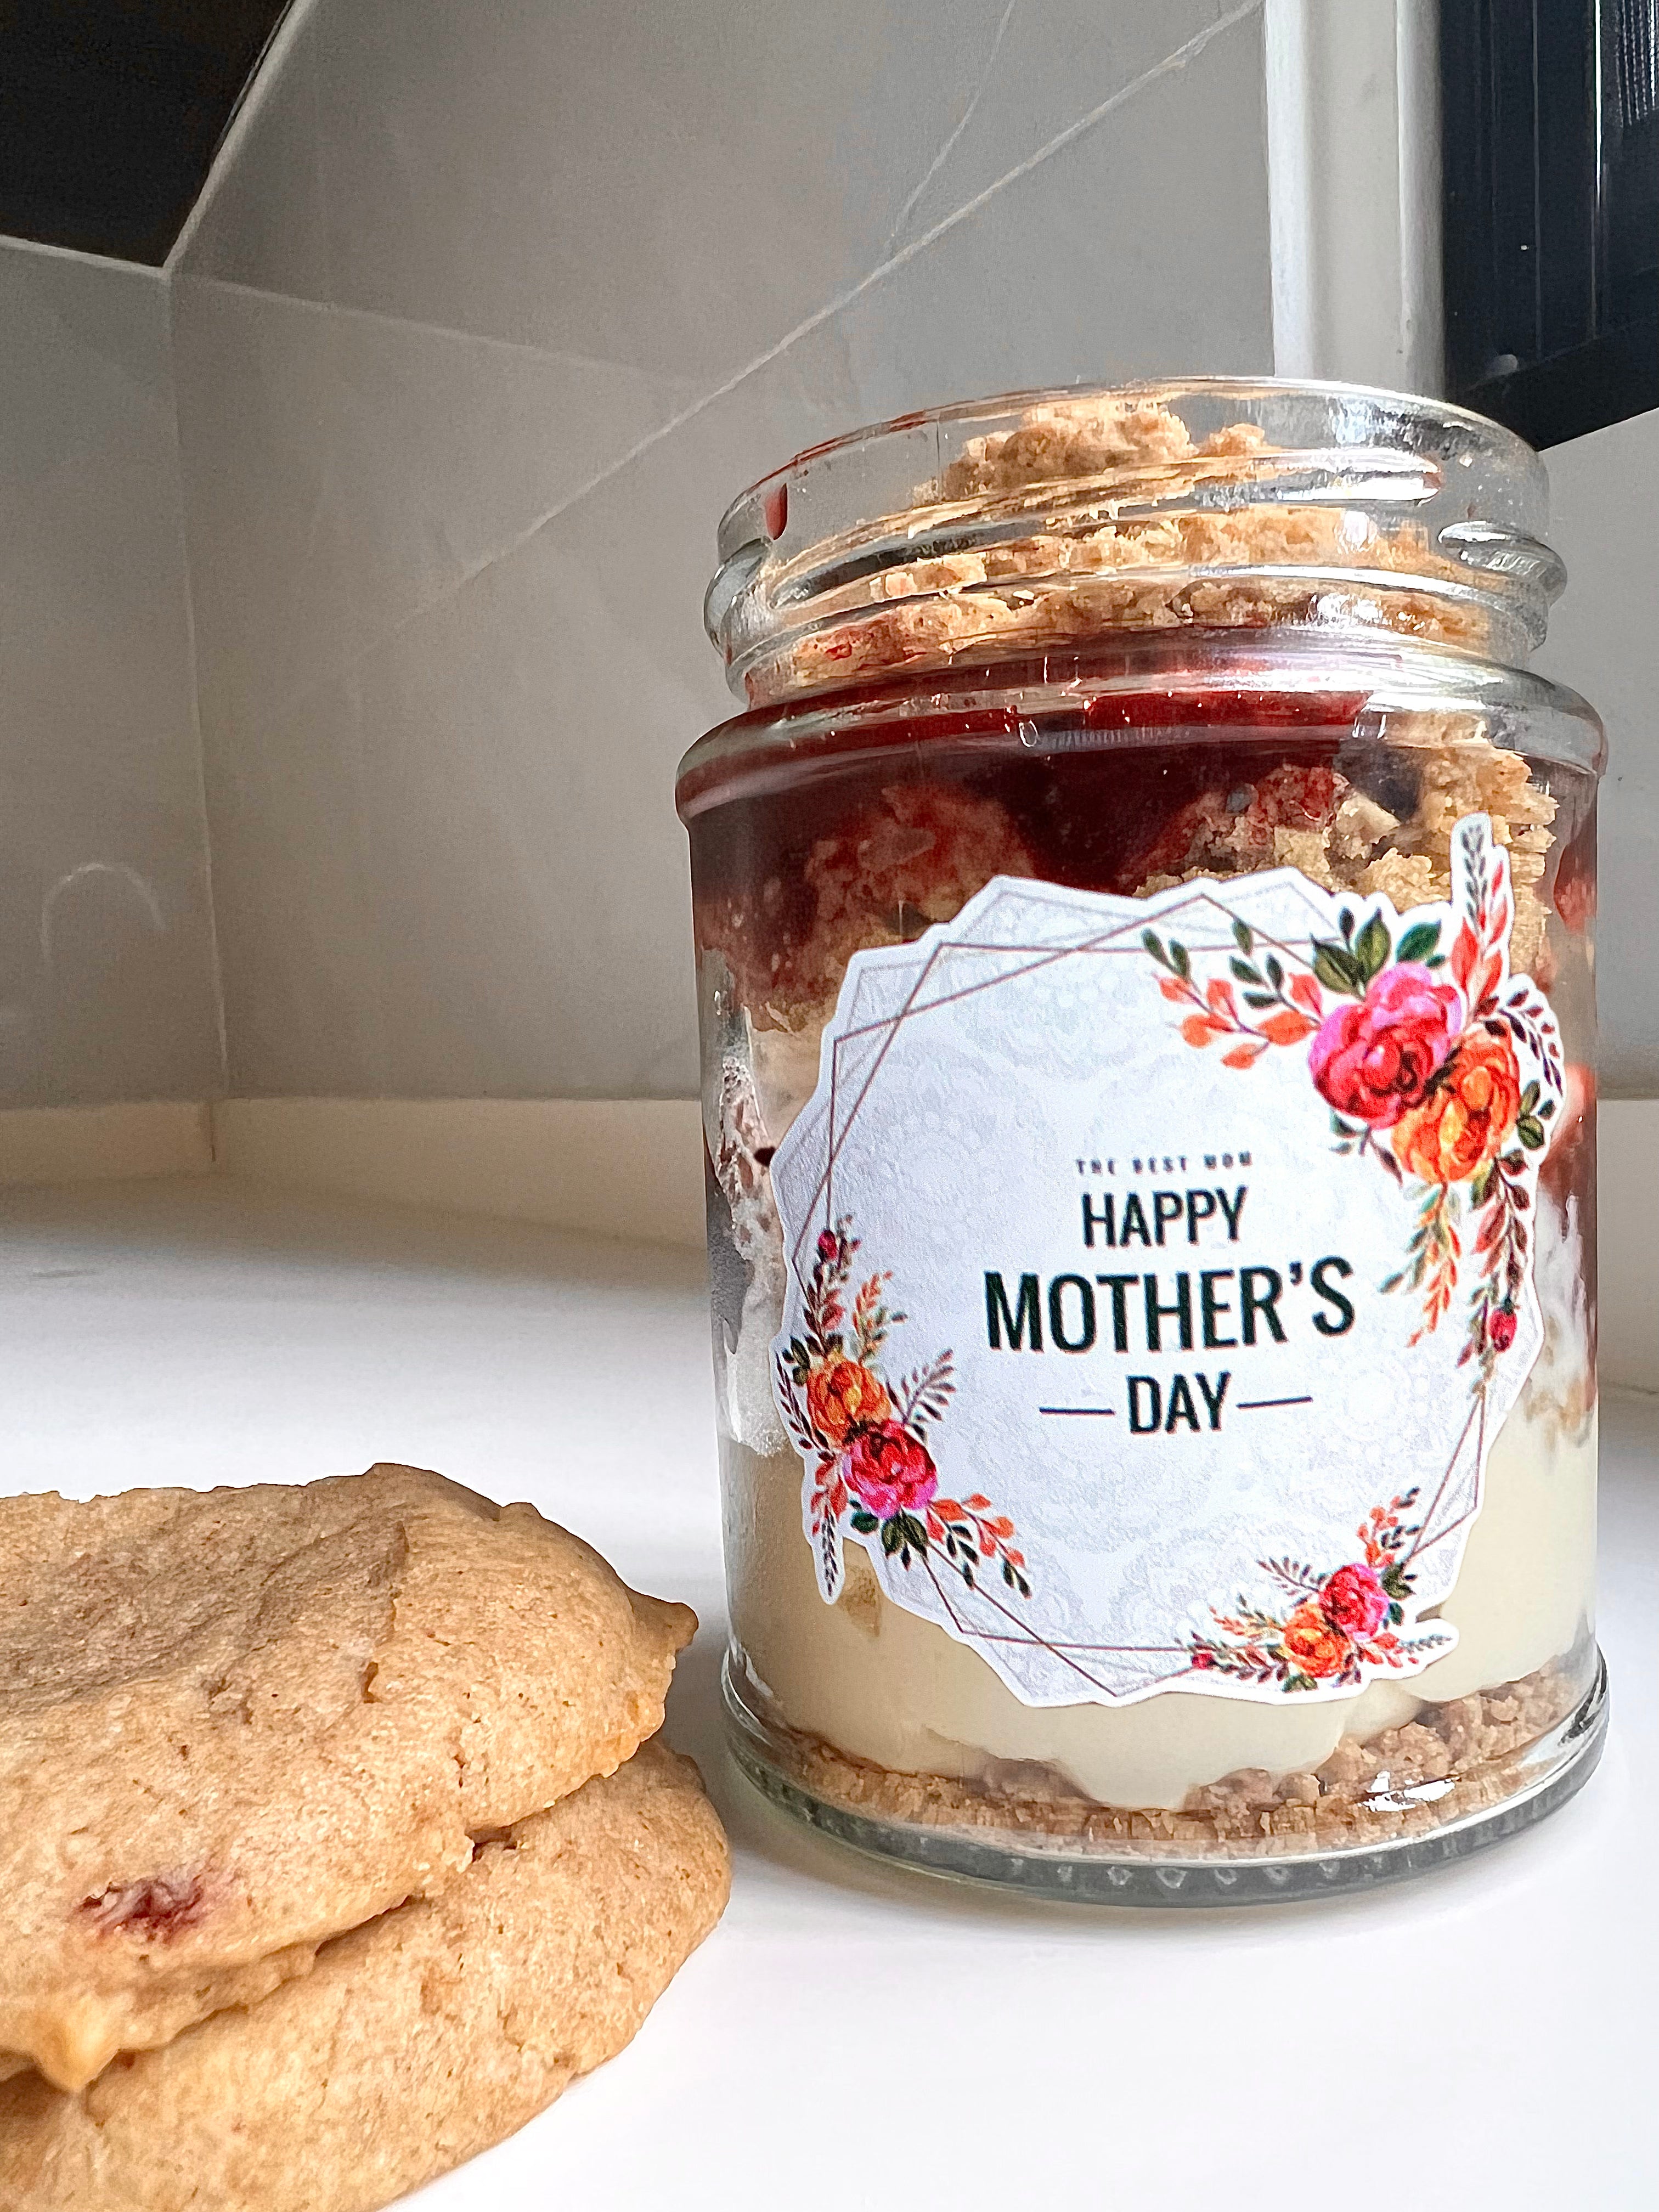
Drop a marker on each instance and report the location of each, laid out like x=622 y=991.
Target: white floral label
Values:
x=1160 y=1273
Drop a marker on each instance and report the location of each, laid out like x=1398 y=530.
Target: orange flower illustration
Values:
x=1445 y=1067
x=1313 y=1646
x=841 y=1395
x=865 y=1444
x=1341 y=1623
x=1463 y=1121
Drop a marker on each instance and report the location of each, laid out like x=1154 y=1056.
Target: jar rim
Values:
x=1060 y=514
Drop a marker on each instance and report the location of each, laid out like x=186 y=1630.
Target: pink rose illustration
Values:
x=889 y=1472
x=1373 y=1060
x=1354 y=1601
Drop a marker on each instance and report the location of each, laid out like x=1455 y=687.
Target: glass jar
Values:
x=1144 y=927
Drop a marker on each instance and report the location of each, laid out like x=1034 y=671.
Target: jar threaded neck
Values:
x=1043 y=520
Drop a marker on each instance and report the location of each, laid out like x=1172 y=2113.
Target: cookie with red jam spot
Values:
x=416 y=2041
x=235 y=1722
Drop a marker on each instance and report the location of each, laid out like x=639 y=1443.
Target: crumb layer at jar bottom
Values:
x=1507 y=1757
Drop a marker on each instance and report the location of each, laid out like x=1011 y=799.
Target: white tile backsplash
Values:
x=1059 y=61
x=343 y=471
x=489 y=313
x=484 y=808
x=445 y=685
x=300 y=941
x=668 y=187
x=107 y=988
x=259 y=220
x=677 y=187
x=1111 y=260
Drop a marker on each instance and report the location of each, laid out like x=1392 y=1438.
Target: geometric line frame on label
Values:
x=856 y=1048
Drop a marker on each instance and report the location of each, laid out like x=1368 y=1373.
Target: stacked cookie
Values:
x=328 y=1850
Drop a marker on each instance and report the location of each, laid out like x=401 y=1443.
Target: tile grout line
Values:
x=353 y=312
x=43 y=250
x=965 y=118
x=214 y=954
x=268 y=71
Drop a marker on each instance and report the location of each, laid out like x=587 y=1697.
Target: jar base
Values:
x=1549 y=1772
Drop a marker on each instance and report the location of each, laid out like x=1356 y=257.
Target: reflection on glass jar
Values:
x=1144 y=925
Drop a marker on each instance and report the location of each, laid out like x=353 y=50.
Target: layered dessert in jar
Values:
x=1144 y=927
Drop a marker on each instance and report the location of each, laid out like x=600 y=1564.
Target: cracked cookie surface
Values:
x=235 y=1722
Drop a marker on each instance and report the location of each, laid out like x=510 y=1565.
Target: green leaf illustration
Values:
x=1338 y=970
x=866 y=1523
x=1179 y=961
x=1245 y=974
x=1258 y=1001
x=1243 y=939
x=1530 y=1130
x=1275 y=973
x=1154 y=944
x=1419 y=942
x=892 y=1535
x=1373 y=944
x=1530 y=1098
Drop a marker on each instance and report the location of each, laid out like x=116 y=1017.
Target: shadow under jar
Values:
x=1144 y=927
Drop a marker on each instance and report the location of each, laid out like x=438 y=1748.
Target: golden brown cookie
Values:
x=415 y=2042
x=234 y=1724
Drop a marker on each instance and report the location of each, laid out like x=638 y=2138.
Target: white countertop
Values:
x=1483 y=2038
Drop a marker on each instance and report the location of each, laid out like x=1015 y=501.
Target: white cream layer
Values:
x=888 y=1686
x=885 y=1685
